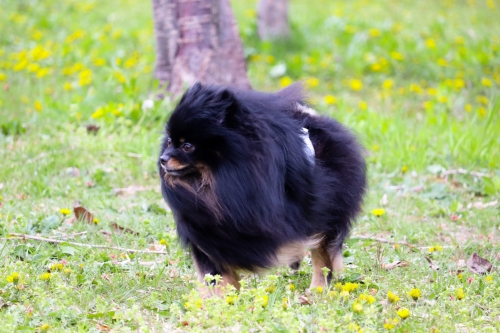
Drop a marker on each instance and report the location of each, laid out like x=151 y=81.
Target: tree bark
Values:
x=197 y=40
x=273 y=19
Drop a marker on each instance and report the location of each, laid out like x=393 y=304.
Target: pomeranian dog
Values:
x=256 y=179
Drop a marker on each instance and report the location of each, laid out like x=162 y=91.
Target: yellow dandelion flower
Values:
x=3 y=77
x=442 y=99
x=357 y=307
x=468 y=107
x=376 y=148
x=330 y=100
x=432 y=249
x=488 y=279
x=263 y=300
x=20 y=65
x=344 y=294
x=120 y=77
x=363 y=105
x=230 y=300
x=404 y=169
x=416 y=88
x=99 y=113
x=490 y=4
x=32 y=68
x=374 y=32
x=67 y=86
x=270 y=289
x=95 y=220
x=458 y=84
x=312 y=82
x=285 y=81
x=403 y=313
x=378 y=212
x=349 y=286
x=391 y=323
x=356 y=84
x=65 y=211
x=376 y=67
x=319 y=289
x=57 y=266
x=430 y=43
x=44 y=328
x=45 y=276
x=291 y=287
x=99 y=62
x=284 y=303
x=163 y=242
x=38 y=106
x=13 y=278
x=367 y=298
x=75 y=36
x=387 y=84
x=460 y=294
x=118 y=61
x=42 y=72
x=332 y=293
x=459 y=40
x=393 y=298
x=486 y=82
x=442 y=62
x=415 y=293
x=396 y=56
x=85 y=77
x=482 y=111
x=432 y=91
x=438 y=248
x=460 y=276
x=67 y=271
x=481 y=99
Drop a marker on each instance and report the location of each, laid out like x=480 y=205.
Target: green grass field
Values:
x=418 y=81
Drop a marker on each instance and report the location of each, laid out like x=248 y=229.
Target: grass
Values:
x=419 y=83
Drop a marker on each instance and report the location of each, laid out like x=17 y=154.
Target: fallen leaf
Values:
x=384 y=201
x=304 y=300
x=92 y=129
x=73 y=172
x=432 y=265
x=83 y=214
x=395 y=264
x=478 y=265
x=119 y=228
x=480 y=205
x=131 y=189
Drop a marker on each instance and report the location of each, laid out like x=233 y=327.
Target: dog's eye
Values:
x=169 y=142
x=187 y=147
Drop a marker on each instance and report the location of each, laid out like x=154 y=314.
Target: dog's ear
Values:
x=192 y=91
x=228 y=106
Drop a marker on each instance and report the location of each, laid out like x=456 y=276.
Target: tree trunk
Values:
x=273 y=19
x=197 y=40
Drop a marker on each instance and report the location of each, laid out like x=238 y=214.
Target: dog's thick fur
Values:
x=244 y=194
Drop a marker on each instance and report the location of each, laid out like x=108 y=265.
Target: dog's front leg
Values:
x=204 y=265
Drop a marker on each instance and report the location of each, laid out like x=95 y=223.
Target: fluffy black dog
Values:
x=247 y=189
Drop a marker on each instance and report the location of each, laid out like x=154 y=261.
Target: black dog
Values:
x=247 y=189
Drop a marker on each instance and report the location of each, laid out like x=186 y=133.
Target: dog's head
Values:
x=198 y=131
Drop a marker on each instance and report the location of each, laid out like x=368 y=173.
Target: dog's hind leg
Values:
x=328 y=254
x=320 y=258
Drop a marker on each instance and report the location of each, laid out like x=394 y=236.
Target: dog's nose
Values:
x=164 y=159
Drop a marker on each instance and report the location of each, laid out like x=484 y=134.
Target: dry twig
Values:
x=16 y=236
